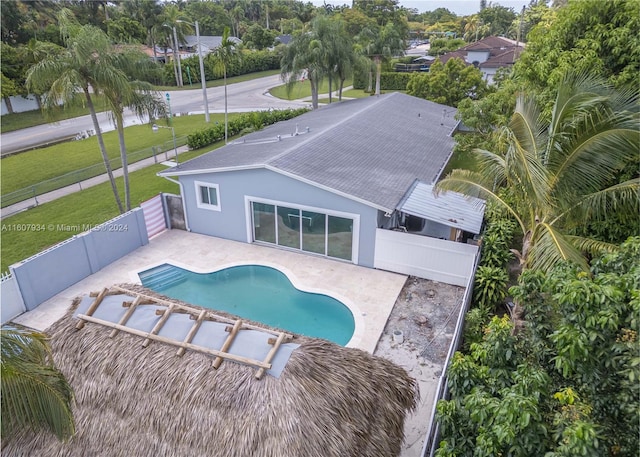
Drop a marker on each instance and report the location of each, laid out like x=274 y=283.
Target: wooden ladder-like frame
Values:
x=197 y=315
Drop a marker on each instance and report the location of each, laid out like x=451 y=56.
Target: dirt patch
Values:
x=425 y=313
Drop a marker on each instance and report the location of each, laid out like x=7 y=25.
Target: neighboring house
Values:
x=157 y=55
x=208 y=43
x=326 y=182
x=284 y=39
x=488 y=54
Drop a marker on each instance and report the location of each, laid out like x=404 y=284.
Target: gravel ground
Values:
x=426 y=313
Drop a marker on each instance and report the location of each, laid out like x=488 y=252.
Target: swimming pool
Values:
x=259 y=293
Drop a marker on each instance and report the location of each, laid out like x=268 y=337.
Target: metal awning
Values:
x=449 y=208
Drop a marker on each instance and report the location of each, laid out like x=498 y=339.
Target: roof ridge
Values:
x=273 y=159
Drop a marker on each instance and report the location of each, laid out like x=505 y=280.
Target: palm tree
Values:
x=387 y=43
x=137 y=95
x=224 y=55
x=303 y=57
x=34 y=393
x=86 y=63
x=559 y=172
x=337 y=49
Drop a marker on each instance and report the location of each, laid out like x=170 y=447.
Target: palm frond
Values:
x=525 y=124
x=594 y=131
x=474 y=184
x=623 y=197
x=34 y=393
x=591 y=246
x=36 y=396
x=595 y=151
x=550 y=247
x=490 y=165
x=20 y=343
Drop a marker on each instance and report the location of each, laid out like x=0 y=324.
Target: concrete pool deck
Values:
x=369 y=293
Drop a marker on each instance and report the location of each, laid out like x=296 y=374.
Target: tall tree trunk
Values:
x=175 y=67
x=314 y=90
x=153 y=45
x=226 y=122
x=329 y=87
x=340 y=90
x=370 y=83
x=123 y=158
x=378 y=61
x=7 y=101
x=103 y=149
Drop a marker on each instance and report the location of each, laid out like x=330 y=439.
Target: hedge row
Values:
x=249 y=121
x=390 y=80
x=250 y=62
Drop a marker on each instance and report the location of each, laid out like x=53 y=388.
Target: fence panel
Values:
x=40 y=277
x=430 y=258
x=12 y=304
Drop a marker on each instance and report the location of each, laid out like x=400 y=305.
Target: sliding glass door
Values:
x=297 y=228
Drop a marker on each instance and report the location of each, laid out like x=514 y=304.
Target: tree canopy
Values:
x=557 y=171
x=587 y=35
x=567 y=384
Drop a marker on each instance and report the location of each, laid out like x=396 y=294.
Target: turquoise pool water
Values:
x=258 y=293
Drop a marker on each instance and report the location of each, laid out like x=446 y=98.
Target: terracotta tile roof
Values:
x=503 y=52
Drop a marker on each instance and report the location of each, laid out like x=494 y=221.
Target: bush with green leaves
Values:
x=490 y=286
x=389 y=80
x=243 y=123
x=564 y=385
x=251 y=62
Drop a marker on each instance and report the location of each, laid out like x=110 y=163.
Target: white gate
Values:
x=154 y=219
x=430 y=258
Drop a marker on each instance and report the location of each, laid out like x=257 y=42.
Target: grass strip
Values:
x=32 y=231
x=30 y=168
x=302 y=89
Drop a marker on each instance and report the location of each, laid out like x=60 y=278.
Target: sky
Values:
x=460 y=7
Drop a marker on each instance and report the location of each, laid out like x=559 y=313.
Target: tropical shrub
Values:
x=243 y=123
x=490 y=286
x=564 y=385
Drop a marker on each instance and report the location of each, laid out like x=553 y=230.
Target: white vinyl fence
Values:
x=430 y=258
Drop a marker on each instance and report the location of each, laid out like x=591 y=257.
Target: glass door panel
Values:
x=313 y=232
x=289 y=227
x=340 y=238
x=264 y=222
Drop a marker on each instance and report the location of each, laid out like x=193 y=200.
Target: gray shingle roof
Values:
x=370 y=149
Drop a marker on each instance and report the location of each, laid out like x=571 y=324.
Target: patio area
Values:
x=370 y=294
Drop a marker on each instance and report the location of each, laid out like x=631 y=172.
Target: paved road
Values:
x=244 y=96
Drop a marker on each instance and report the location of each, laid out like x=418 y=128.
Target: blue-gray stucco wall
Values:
x=51 y=271
x=231 y=221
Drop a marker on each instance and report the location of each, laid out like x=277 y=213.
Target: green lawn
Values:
x=17 y=121
x=90 y=206
x=31 y=167
x=220 y=82
x=303 y=89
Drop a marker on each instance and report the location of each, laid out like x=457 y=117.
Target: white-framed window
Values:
x=208 y=195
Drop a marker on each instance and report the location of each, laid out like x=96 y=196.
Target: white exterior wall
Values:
x=430 y=258
x=12 y=304
x=20 y=104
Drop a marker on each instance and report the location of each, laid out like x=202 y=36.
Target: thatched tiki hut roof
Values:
x=329 y=401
